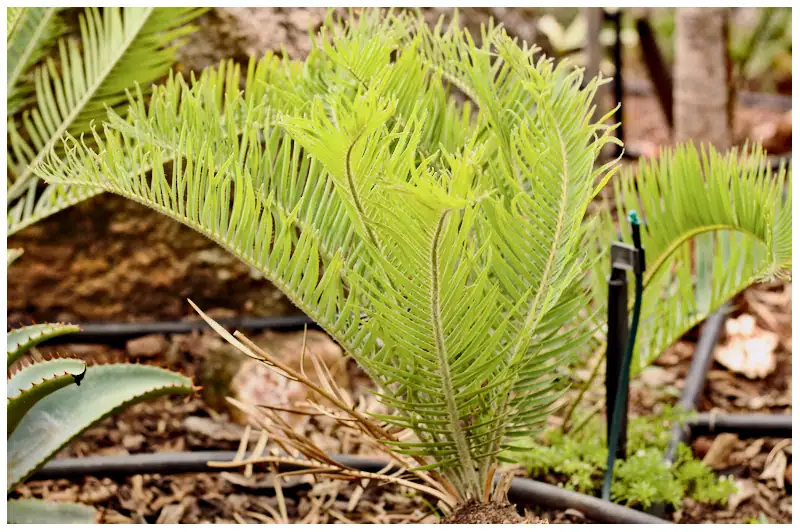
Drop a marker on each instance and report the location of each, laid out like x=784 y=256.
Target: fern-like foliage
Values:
x=714 y=225
x=30 y=31
x=50 y=96
x=440 y=243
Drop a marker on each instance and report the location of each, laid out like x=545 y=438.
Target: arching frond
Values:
x=30 y=31
x=715 y=224
x=117 y=48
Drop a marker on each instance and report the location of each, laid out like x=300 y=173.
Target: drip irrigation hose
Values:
x=119 y=333
x=624 y=377
x=693 y=386
x=696 y=377
x=744 y=425
x=523 y=491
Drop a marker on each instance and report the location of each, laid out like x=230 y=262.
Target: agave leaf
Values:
x=35 y=382
x=61 y=416
x=36 y=511
x=19 y=341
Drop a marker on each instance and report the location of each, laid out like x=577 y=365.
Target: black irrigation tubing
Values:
x=523 y=492
x=693 y=388
x=696 y=377
x=744 y=425
x=119 y=333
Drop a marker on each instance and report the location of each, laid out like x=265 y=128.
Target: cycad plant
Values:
x=440 y=239
x=61 y=79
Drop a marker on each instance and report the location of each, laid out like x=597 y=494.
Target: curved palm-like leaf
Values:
x=13 y=254
x=443 y=248
x=363 y=147
x=30 y=31
x=118 y=47
x=715 y=224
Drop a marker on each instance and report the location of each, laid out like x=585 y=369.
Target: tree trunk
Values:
x=703 y=98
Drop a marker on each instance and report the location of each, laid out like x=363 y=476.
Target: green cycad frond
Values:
x=217 y=183
x=443 y=248
x=12 y=17
x=30 y=31
x=117 y=48
x=407 y=265
x=539 y=115
x=715 y=224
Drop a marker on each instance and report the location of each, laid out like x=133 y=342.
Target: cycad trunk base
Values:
x=488 y=513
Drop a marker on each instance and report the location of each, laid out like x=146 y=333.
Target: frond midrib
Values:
x=12 y=229
x=661 y=260
x=460 y=439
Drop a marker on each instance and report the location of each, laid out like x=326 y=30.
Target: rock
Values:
x=254 y=383
x=749 y=350
x=147 y=346
x=240 y=32
x=787 y=475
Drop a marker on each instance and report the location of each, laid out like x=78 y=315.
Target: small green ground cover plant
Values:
x=442 y=241
x=578 y=460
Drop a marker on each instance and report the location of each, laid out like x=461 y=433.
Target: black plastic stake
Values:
x=619 y=91
x=615 y=351
x=624 y=258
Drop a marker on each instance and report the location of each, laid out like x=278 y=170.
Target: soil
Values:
x=491 y=514
x=111 y=259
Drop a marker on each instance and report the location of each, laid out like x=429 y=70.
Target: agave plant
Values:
x=57 y=84
x=52 y=402
x=440 y=240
